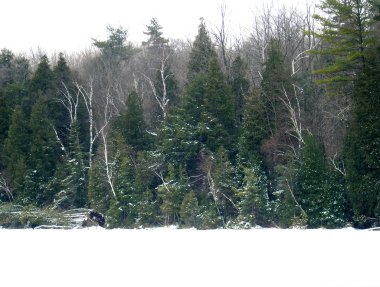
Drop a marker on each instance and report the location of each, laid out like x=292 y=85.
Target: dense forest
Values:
x=280 y=128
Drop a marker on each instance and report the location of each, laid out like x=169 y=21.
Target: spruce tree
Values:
x=57 y=113
x=240 y=88
x=98 y=195
x=177 y=141
x=44 y=152
x=362 y=148
x=43 y=78
x=16 y=149
x=311 y=179
x=192 y=104
x=254 y=129
x=217 y=122
x=319 y=193
x=132 y=124
x=70 y=178
x=201 y=53
x=223 y=181
x=253 y=199
x=61 y=71
x=275 y=80
x=5 y=116
x=189 y=210
x=171 y=194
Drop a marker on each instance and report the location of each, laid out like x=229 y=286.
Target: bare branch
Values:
x=163 y=99
x=4 y=185
x=59 y=139
x=294 y=115
x=341 y=170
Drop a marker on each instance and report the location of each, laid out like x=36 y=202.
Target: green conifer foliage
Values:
x=217 y=122
x=43 y=78
x=276 y=80
x=114 y=49
x=254 y=130
x=311 y=179
x=44 y=151
x=189 y=210
x=222 y=183
x=253 y=200
x=240 y=87
x=98 y=196
x=61 y=71
x=362 y=148
x=132 y=124
x=177 y=142
x=57 y=113
x=5 y=116
x=155 y=34
x=171 y=194
x=70 y=178
x=193 y=99
x=16 y=149
x=201 y=53
x=124 y=209
x=10 y=96
x=319 y=192
x=346 y=35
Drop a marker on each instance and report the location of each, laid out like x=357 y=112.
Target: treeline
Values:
x=281 y=128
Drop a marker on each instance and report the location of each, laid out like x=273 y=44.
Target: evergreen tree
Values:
x=240 y=88
x=201 y=53
x=155 y=34
x=71 y=175
x=114 y=49
x=254 y=129
x=276 y=79
x=346 y=36
x=177 y=142
x=99 y=198
x=362 y=147
x=5 y=115
x=189 y=210
x=16 y=149
x=171 y=194
x=253 y=200
x=217 y=122
x=43 y=78
x=10 y=96
x=122 y=211
x=223 y=182
x=320 y=196
x=61 y=71
x=132 y=124
x=57 y=113
x=192 y=104
x=44 y=152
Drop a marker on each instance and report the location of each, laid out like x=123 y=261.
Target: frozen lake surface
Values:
x=171 y=257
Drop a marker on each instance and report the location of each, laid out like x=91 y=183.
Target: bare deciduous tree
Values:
x=163 y=65
x=6 y=188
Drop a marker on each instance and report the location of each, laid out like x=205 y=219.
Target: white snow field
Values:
x=173 y=257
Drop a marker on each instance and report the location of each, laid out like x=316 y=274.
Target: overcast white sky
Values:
x=69 y=25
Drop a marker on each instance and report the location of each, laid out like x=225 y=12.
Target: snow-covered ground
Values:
x=170 y=257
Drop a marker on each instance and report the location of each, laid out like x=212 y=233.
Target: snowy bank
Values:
x=187 y=257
